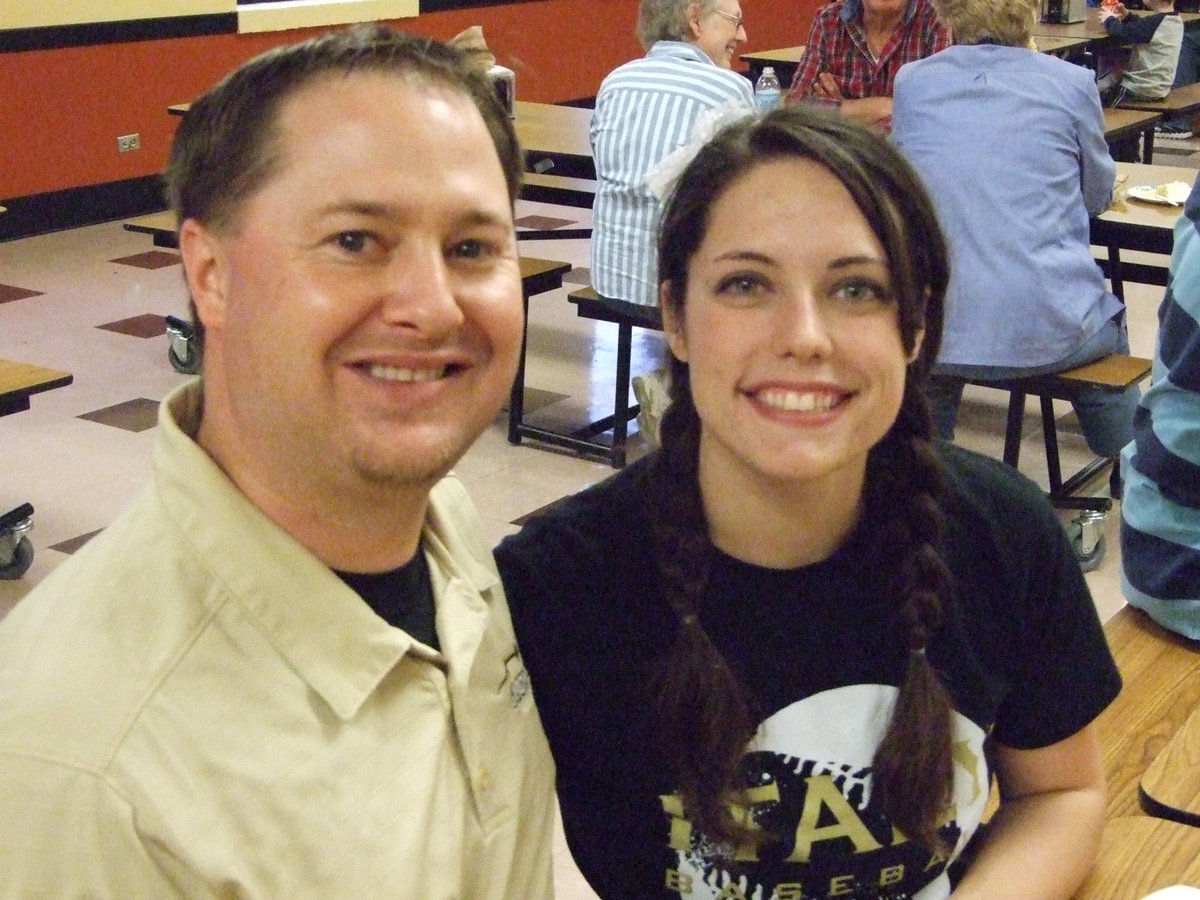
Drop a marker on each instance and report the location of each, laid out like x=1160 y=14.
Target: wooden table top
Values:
x=1089 y=29
x=23 y=379
x=1127 y=212
x=552 y=129
x=1118 y=122
x=1140 y=854
x=1161 y=672
x=1171 y=786
x=782 y=55
x=1056 y=43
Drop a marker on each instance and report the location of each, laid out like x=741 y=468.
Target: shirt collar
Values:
x=679 y=50
x=852 y=11
x=325 y=631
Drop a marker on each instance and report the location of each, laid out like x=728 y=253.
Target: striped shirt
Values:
x=645 y=110
x=1160 y=512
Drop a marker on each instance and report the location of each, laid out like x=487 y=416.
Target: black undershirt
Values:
x=402 y=597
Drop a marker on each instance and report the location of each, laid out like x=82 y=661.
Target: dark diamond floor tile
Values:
x=542 y=223
x=9 y=293
x=579 y=275
x=147 y=325
x=70 y=545
x=151 y=259
x=132 y=415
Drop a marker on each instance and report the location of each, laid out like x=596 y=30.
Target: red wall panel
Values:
x=62 y=110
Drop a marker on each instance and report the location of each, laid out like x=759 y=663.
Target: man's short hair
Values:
x=227 y=145
x=1008 y=22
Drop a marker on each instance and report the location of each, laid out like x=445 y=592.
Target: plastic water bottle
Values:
x=767 y=93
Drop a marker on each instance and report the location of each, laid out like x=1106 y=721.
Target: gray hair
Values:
x=1007 y=22
x=667 y=20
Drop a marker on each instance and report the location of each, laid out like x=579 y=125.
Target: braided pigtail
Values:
x=913 y=767
x=704 y=715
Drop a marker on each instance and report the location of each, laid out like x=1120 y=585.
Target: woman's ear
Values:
x=693 y=19
x=672 y=322
x=918 y=340
x=205 y=271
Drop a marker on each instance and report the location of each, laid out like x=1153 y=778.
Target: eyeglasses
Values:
x=736 y=20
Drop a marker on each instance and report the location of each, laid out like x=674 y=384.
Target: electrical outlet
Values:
x=128 y=142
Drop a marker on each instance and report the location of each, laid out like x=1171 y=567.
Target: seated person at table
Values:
x=646 y=109
x=855 y=48
x=782 y=656
x=1160 y=515
x=1010 y=143
x=1147 y=70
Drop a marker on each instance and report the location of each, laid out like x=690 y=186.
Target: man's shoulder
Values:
x=84 y=650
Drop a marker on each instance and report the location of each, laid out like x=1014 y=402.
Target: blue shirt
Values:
x=1160 y=512
x=1010 y=144
x=645 y=110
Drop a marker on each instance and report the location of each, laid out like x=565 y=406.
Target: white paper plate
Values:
x=1173 y=194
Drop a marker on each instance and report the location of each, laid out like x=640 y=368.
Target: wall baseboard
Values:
x=74 y=207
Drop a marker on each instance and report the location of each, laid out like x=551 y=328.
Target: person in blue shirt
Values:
x=1160 y=515
x=1010 y=144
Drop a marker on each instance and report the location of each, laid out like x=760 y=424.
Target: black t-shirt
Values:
x=402 y=597
x=822 y=651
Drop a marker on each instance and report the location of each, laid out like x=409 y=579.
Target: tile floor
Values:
x=92 y=301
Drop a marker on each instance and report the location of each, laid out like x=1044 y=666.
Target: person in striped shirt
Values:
x=1160 y=512
x=645 y=110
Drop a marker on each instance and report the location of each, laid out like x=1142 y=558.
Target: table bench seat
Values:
x=1115 y=373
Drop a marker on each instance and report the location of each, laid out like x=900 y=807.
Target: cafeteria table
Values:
x=784 y=61
x=1160 y=671
x=1139 y=855
x=1170 y=789
x=1123 y=128
x=18 y=382
x=1130 y=224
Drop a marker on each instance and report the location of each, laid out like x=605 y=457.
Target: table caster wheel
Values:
x=182 y=350
x=1088 y=540
x=21 y=560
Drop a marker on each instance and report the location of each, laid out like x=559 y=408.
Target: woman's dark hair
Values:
x=228 y=144
x=706 y=713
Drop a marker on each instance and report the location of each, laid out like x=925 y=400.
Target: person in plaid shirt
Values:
x=856 y=47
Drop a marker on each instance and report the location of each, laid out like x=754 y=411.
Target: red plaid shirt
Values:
x=837 y=44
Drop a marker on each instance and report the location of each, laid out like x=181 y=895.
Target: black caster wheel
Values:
x=22 y=559
x=181 y=352
x=1090 y=553
x=189 y=365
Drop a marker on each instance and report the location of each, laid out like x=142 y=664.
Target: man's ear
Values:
x=672 y=323
x=206 y=270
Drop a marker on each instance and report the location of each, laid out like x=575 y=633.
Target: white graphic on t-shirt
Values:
x=809 y=770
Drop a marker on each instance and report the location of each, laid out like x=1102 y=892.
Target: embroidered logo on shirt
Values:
x=516 y=677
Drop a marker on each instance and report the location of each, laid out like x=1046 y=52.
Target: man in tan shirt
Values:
x=288 y=670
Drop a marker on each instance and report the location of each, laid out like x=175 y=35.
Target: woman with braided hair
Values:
x=786 y=655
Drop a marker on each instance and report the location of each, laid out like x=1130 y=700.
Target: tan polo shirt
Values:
x=194 y=705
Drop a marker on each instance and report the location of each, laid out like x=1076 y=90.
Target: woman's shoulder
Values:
x=984 y=486
x=604 y=516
